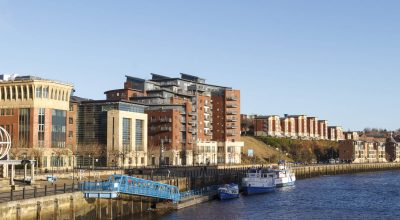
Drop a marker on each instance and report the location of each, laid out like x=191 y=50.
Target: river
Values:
x=374 y=195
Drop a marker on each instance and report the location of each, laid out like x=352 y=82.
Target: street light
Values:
x=90 y=158
x=52 y=167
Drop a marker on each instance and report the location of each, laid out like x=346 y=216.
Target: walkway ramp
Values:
x=122 y=184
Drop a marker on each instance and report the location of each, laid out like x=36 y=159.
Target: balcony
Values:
x=231 y=112
x=232 y=127
x=232 y=106
x=183 y=129
x=231 y=133
x=165 y=141
x=153 y=120
x=231 y=98
x=166 y=120
x=232 y=119
x=192 y=114
x=165 y=129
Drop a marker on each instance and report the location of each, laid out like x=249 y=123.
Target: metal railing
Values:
x=36 y=192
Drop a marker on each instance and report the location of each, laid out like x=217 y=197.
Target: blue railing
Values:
x=134 y=186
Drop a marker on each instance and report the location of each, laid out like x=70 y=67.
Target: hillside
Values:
x=263 y=153
x=304 y=150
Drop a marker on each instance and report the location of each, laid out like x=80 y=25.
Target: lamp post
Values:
x=52 y=167
x=90 y=157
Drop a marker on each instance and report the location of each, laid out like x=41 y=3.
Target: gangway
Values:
x=122 y=184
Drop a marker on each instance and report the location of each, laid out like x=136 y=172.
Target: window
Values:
x=24 y=124
x=46 y=92
x=41 y=120
x=58 y=134
x=139 y=135
x=39 y=92
x=126 y=134
x=71 y=121
x=71 y=134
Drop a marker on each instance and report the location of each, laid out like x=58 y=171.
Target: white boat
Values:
x=256 y=181
x=284 y=176
x=228 y=191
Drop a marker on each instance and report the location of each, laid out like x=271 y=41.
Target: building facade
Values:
x=35 y=112
x=111 y=133
x=208 y=128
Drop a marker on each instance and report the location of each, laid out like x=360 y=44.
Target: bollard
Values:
x=39 y=211
x=71 y=208
x=56 y=214
x=34 y=192
x=45 y=190
x=18 y=212
x=23 y=193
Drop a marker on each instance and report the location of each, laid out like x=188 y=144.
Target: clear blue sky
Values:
x=337 y=60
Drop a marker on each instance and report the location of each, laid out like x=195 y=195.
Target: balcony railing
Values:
x=231 y=112
x=231 y=98
x=232 y=120
x=232 y=106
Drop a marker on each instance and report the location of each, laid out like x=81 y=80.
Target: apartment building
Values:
x=351 y=135
x=209 y=130
x=267 y=126
x=111 y=133
x=323 y=129
x=392 y=149
x=380 y=152
x=352 y=151
x=35 y=111
x=312 y=124
x=362 y=151
x=288 y=127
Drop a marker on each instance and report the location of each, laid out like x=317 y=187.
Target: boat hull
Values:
x=257 y=190
x=285 y=184
x=227 y=196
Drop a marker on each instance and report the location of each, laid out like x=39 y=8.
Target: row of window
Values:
x=26 y=92
x=6 y=112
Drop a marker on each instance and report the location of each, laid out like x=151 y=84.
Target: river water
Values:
x=355 y=196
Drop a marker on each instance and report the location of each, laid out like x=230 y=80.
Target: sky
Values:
x=336 y=60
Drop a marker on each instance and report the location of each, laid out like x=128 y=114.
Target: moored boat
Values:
x=284 y=176
x=256 y=181
x=228 y=191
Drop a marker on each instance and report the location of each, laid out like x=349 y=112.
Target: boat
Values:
x=228 y=191
x=284 y=176
x=256 y=181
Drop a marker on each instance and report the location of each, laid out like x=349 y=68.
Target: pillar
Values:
x=32 y=173
x=25 y=169
x=12 y=175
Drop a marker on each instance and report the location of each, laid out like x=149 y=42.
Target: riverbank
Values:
x=60 y=206
x=369 y=195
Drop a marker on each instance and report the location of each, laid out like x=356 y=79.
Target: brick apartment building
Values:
x=35 y=111
x=392 y=149
x=268 y=126
x=203 y=120
x=356 y=151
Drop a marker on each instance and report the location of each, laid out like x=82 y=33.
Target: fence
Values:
x=36 y=192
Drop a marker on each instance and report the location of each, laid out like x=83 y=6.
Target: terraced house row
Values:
x=163 y=120
x=299 y=127
x=357 y=151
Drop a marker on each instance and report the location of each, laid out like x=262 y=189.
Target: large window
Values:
x=24 y=115
x=126 y=134
x=139 y=135
x=58 y=124
x=39 y=92
x=41 y=118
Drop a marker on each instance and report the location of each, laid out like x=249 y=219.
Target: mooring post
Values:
x=72 y=208
x=39 y=211
x=18 y=212
x=56 y=215
x=98 y=209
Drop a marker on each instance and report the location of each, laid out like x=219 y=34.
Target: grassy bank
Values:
x=295 y=150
